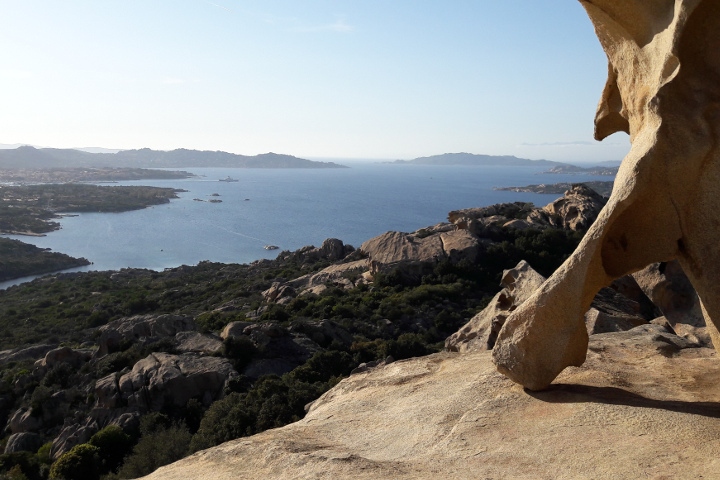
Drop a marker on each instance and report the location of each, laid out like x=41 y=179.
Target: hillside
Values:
x=30 y=157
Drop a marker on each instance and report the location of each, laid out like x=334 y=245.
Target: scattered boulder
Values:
x=74 y=358
x=141 y=328
x=234 y=329
x=23 y=442
x=33 y=352
x=481 y=331
x=74 y=432
x=161 y=380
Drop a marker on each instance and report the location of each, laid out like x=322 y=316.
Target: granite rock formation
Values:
x=663 y=88
x=642 y=406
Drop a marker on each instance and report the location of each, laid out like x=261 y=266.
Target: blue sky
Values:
x=365 y=79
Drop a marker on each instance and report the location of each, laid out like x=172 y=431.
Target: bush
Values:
x=160 y=446
x=82 y=461
x=113 y=444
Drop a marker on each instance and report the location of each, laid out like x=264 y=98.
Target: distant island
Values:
x=574 y=170
x=476 y=159
x=30 y=158
x=603 y=188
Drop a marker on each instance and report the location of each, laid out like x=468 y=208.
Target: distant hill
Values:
x=31 y=157
x=474 y=159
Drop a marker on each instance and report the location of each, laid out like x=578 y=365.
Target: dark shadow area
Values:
x=565 y=393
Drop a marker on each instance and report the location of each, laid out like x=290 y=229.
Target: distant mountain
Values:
x=474 y=159
x=30 y=157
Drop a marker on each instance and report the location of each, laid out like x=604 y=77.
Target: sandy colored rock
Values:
x=662 y=88
x=415 y=253
x=629 y=412
x=481 y=331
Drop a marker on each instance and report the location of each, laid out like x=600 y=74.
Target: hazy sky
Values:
x=313 y=78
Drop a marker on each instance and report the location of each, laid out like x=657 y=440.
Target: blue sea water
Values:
x=287 y=208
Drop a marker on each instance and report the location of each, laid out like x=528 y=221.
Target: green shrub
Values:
x=160 y=446
x=113 y=444
x=82 y=461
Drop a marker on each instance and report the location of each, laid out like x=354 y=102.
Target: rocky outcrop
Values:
x=481 y=331
x=415 y=253
x=279 y=349
x=629 y=412
x=163 y=380
x=33 y=352
x=141 y=329
x=669 y=288
x=662 y=87
x=23 y=442
x=74 y=358
x=576 y=210
x=331 y=250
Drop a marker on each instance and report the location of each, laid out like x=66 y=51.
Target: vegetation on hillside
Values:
x=395 y=316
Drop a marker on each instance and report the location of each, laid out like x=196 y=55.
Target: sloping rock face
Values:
x=162 y=380
x=481 y=331
x=644 y=405
x=662 y=88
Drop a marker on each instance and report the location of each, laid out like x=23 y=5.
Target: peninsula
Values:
x=476 y=159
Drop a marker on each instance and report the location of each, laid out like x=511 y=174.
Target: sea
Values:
x=288 y=208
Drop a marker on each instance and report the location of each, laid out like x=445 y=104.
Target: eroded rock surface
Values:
x=644 y=405
x=663 y=88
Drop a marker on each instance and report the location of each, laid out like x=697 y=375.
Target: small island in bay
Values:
x=604 y=188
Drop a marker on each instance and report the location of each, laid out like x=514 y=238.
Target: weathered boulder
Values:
x=234 y=329
x=74 y=358
x=75 y=431
x=162 y=379
x=141 y=328
x=279 y=293
x=340 y=275
x=576 y=210
x=23 y=442
x=331 y=250
x=24 y=421
x=415 y=254
x=662 y=87
x=279 y=350
x=481 y=331
x=20 y=354
x=323 y=332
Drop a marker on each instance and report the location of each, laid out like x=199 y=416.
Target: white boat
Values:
x=228 y=179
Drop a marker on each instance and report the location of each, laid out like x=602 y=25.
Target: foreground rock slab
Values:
x=635 y=409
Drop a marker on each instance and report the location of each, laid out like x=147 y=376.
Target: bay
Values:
x=288 y=208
